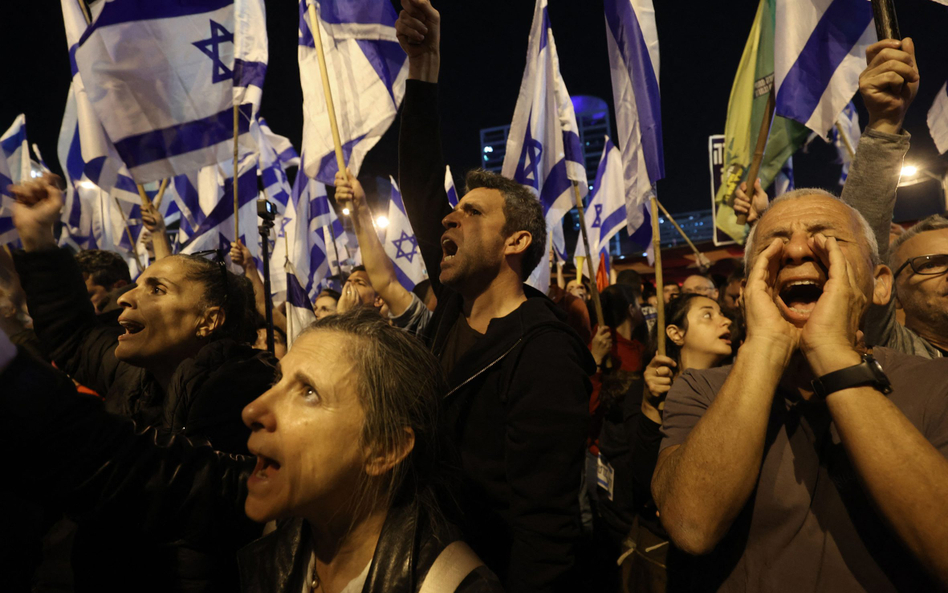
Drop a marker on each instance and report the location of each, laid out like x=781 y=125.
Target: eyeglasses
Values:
x=926 y=265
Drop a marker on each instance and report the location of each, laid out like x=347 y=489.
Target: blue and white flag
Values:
x=543 y=148
x=783 y=182
x=276 y=156
x=605 y=214
x=632 y=39
x=938 y=120
x=299 y=307
x=367 y=72
x=166 y=99
x=819 y=52
x=401 y=244
x=449 y=187
x=846 y=135
x=215 y=208
x=14 y=168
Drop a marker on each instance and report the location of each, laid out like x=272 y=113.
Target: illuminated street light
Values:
x=345 y=212
x=909 y=171
x=381 y=222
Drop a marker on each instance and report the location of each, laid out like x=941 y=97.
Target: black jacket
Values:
x=518 y=405
x=203 y=401
x=173 y=492
x=408 y=546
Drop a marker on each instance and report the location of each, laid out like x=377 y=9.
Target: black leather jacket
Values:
x=409 y=544
x=171 y=494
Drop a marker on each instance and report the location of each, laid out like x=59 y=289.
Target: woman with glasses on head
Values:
x=176 y=358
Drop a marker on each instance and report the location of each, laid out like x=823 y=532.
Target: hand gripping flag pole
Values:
x=759 y=149
x=592 y=274
x=887 y=25
x=236 y=172
x=659 y=281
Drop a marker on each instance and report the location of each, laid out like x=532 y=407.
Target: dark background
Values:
x=483 y=55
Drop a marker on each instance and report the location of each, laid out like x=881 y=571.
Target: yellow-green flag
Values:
x=746 y=107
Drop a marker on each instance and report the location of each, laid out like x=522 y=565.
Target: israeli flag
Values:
x=14 y=168
x=367 y=72
x=938 y=120
x=605 y=215
x=632 y=39
x=276 y=156
x=449 y=187
x=215 y=192
x=307 y=237
x=783 y=182
x=543 y=148
x=299 y=308
x=846 y=131
x=166 y=98
x=819 y=52
x=401 y=244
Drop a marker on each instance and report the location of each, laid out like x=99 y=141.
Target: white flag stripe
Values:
x=938 y=119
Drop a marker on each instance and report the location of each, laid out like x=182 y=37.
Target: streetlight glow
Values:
x=87 y=185
x=381 y=222
x=345 y=212
x=909 y=171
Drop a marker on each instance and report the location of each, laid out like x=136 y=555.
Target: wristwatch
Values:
x=868 y=372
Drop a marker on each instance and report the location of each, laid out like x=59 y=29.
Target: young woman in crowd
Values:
x=176 y=358
x=348 y=462
x=697 y=336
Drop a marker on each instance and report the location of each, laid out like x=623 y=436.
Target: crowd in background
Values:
x=474 y=434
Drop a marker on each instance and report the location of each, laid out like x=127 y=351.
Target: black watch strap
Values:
x=868 y=372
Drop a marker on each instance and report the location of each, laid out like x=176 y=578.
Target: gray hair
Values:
x=935 y=222
x=869 y=236
x=399 y=385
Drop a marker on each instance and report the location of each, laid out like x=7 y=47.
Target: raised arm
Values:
x=63 y=318
x=240 y=255
x=701 y=484
x=420 y=160
x=154 y=223
x=378 y=265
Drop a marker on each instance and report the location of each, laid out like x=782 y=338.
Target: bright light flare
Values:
x=381 y=222
x=909 y=171
x=345 y=212
x=87 y=185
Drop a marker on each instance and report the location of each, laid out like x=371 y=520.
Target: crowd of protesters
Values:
x=783 y=430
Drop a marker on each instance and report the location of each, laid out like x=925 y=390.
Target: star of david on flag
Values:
x=606 y=207
x=367 y=71
x=166 y=100
x=543 y=148
x=400 y=243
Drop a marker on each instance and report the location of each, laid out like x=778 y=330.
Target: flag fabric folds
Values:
x=166 y=100
x=746 y=108
x=367 y=72
x=819 y=53
x=938 y=119
x=276 y=156
x=606 y=212
x=401 y=246
x=543 y=148
x=449 y=187
x=299 y=309
x=783 y=183
x=634 y=61
x=14 y=168
x=845 y=135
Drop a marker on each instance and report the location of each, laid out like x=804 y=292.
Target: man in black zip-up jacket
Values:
x=518 y=400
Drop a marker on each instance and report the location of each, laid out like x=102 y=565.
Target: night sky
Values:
x=483 y=56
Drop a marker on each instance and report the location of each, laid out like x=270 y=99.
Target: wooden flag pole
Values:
x=161 y=192
x=236 y=173
x=128 y=230
x=759 y=150
x=887 y=25
x=589 y=265
x=324 y=73
x=846 y=142
x=142 y=194
x=702 y=260
x=659 y=281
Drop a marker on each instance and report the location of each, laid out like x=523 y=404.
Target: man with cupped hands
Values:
x=810 y=464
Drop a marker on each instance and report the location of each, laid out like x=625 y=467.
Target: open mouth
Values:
x=266 y=467
x=449 y=247
x=800 y=296
x=131 y=327
x=726 y=336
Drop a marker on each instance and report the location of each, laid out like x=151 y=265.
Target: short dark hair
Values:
x=631 y=278
x=522 y=211
x=233 y=293
x=358 y=268
x=104 y=267
x=333 y=294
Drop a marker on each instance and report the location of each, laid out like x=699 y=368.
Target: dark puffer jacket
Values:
x=203 y=401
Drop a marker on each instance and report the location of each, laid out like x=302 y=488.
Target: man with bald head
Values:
x=700 y=284
x=810 y=464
